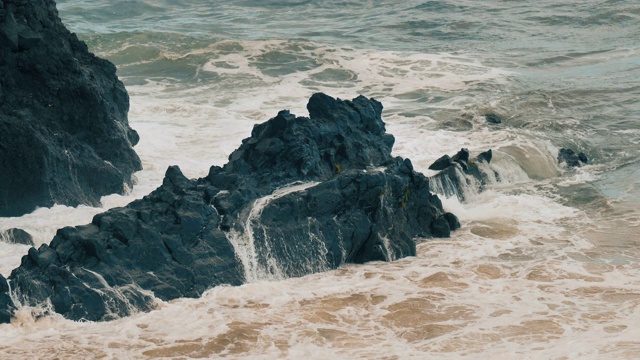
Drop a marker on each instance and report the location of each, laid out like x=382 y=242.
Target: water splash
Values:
x=261 y=266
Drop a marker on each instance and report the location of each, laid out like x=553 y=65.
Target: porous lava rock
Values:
x=301 y=195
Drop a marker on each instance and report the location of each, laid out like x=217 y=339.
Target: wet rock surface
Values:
x=6 y=305
x=493 y=119
x=459 y=172
x=301 y=195
x=64 y=133
x=571 y=158
x=16 y=236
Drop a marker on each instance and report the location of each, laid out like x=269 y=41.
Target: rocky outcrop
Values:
x=301 y=195
x=571 y=158
x=64 y=134
x=16 y=236
x=458 y=174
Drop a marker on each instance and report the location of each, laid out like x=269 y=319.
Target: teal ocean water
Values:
x=547 y=264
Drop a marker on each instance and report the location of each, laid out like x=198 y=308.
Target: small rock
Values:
x=572 y=159
x=462 y=156
x=440 y=227
x=454 y=223
x=450 y=181
x=583 y=157
x=485 y=156
x=442 y=163
x=7 y=310
x=493 y=118
x=16 y=236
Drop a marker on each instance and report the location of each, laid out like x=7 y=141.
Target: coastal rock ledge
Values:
x=301 y=195
x=64 y=133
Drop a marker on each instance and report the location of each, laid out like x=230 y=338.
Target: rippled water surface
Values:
x=547 y=264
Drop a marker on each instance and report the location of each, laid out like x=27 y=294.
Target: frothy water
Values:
x=546 y=264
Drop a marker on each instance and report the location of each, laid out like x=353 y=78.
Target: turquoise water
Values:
x=548 y=260
x=570 y=77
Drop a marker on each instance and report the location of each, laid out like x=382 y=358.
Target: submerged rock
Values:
x=301 y=195
x=572 y=159
x=442 y=163
x=493 y=118
x=16 y=236
x=6 y=304
x=64 y=133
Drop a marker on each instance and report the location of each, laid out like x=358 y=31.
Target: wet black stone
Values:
x=64 y=133
x=583 y=158
x=462 y=156
x=442 y=163
x=16 y=236
x=454 y=223
x=485 y=156
x=453 y=180
x=6 y=304
x=493 y=118
x=440 y=227
x=571 y=159
x=360 y=204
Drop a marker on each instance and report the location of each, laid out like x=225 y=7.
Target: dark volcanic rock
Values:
x=462 y=158
x=444 y=162
x=454 y=223
x=493 y=118
x=572 y=159
x=460 y=175
x=16 y=236
x=300 y=195
x=6 y=305
x=64 y=134
x=485 y=156
x=443 y=225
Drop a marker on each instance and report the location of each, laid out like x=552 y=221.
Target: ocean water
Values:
x=547 y=263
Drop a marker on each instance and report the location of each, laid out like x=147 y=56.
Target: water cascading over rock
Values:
x=64 y=133
x=459 y=174
x=301 y=195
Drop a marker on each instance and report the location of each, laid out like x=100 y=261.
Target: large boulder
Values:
x=64 y=133
x=301 y=195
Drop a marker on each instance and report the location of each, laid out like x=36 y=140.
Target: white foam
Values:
x=244 y=242
x=524 y=277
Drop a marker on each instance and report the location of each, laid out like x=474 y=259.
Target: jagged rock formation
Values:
x=300 y=195
x=64 y=134
x=458 y=173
